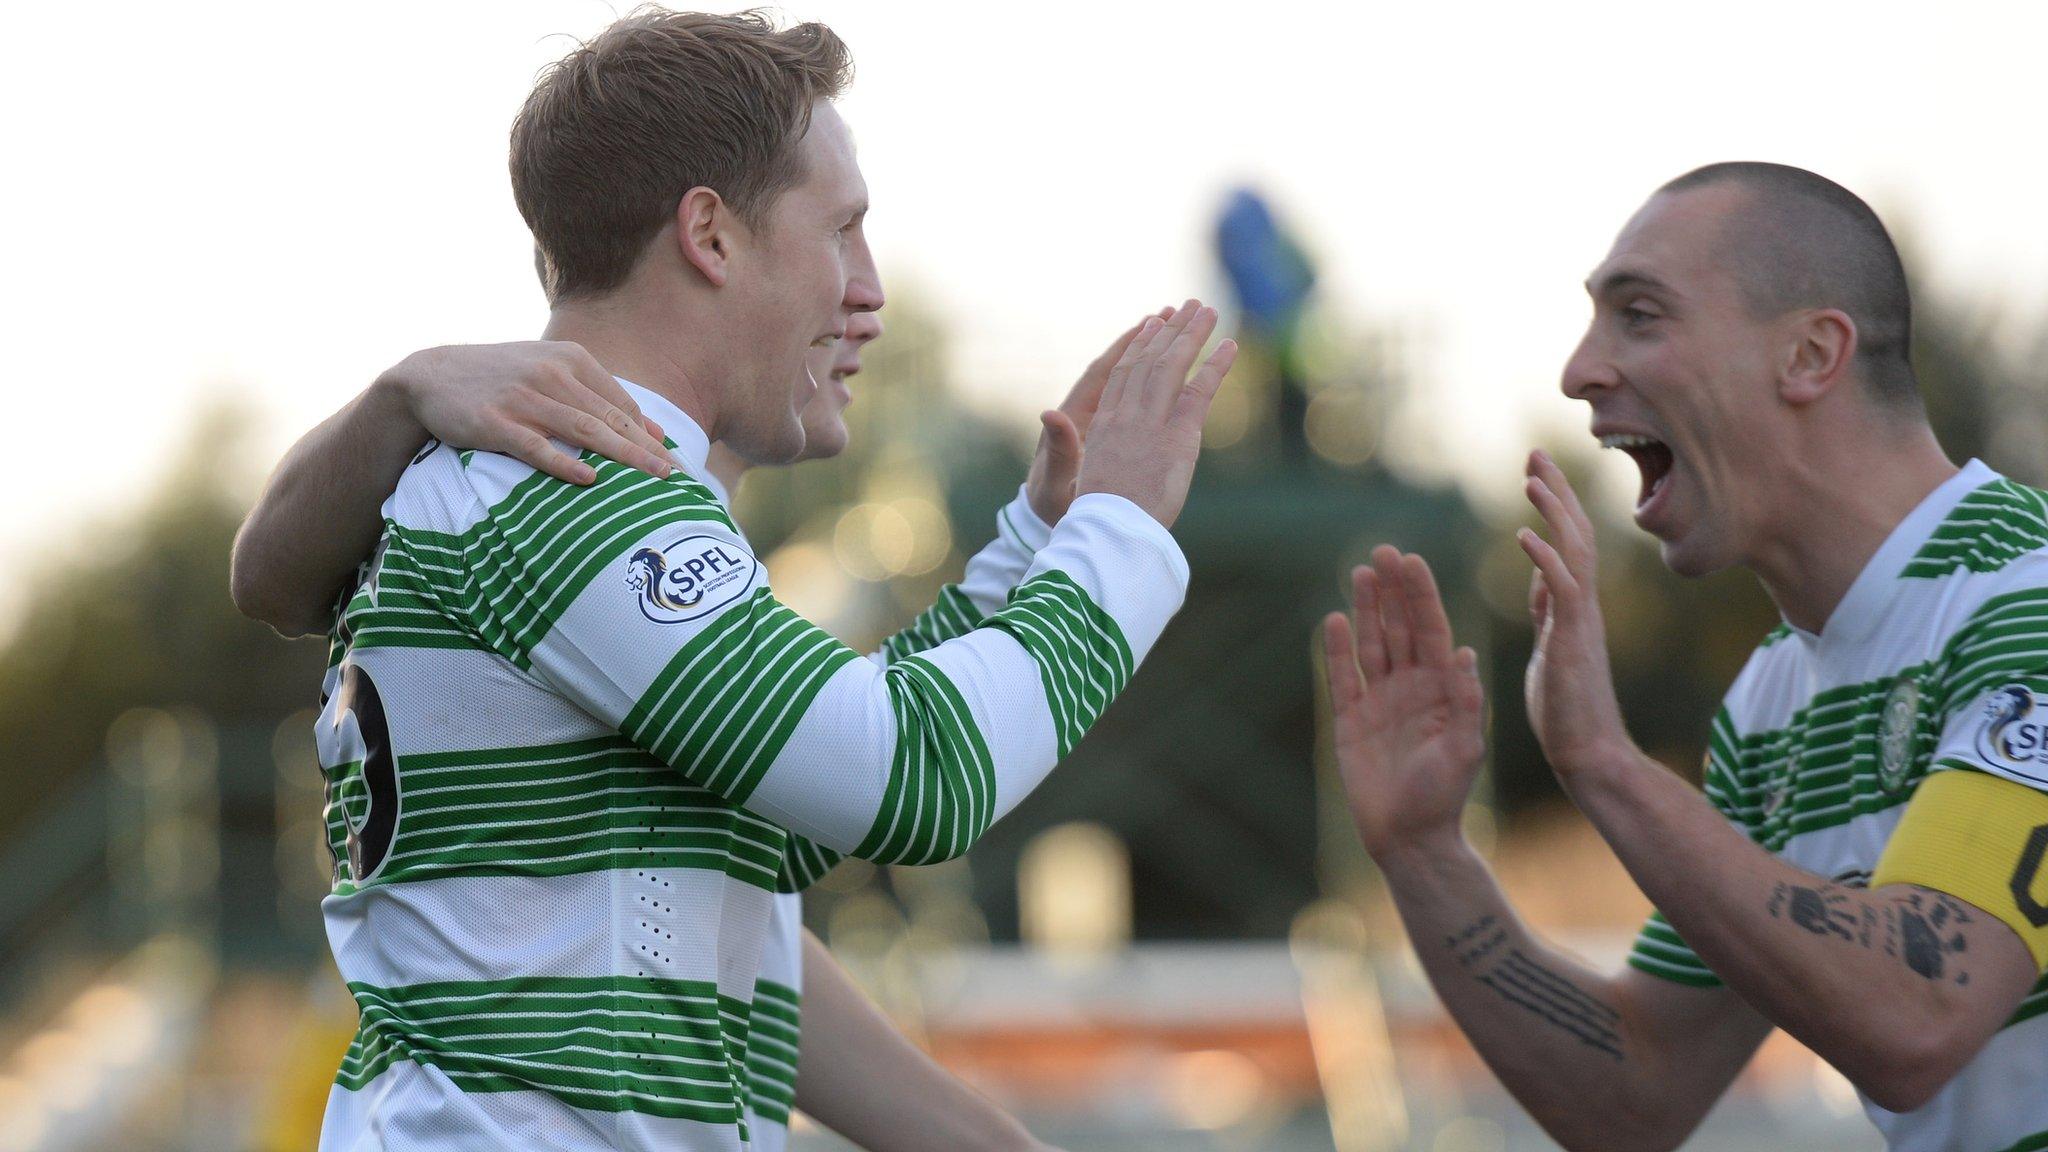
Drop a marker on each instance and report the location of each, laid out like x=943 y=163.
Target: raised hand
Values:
x=1056 y=465
x=1405 y=706
x=1147 y=430
x=513 y=398
x=1570 y=685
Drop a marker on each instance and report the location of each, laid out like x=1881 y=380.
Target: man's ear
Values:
x=1822 y=346
x=705 y=231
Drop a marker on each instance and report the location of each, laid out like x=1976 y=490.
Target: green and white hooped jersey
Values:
x=1936 y=659
x=574 y=751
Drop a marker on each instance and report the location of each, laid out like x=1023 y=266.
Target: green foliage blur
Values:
x=133 y=612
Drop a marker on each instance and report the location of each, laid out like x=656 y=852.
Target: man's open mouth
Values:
x=1653 y=459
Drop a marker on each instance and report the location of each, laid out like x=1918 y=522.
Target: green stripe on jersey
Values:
x=554 y=810
x=804 y=864
x=772 y=1050
x=2034 y=1143
x=1660 y=952
x=1988 y=529
x=607 y=1044
x=504 y=582
x=2005 y=640
x=952 y=615
x=726 y=703
x=1082 y=656
x=1821 y=770
x=941 y=794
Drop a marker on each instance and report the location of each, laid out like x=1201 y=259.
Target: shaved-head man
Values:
x=1863 y=869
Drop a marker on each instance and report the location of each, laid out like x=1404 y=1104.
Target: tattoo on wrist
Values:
x=1922 y=930
x=1484 y=949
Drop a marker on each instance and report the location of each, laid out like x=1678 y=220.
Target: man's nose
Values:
x=864 y=282
x=1589 y=368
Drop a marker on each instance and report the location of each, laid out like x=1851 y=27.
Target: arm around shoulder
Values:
x=318 y=516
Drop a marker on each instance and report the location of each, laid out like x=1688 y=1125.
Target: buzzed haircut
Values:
x=1804 y=241
x=659 y=103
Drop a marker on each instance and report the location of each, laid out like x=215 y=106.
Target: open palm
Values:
x=1405 y=706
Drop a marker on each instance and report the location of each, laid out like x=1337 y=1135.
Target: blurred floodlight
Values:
x=1074 y=891
x=1341 y=427
x=907 y=536
x=22 y=1124
x=871 y=541
x=61 y=1064
x=809 y=580
x=144 y=743
x=931 y=534
x=106 y=1004
x=1347 y=1029
x=864 y=924
x=1214 y=1089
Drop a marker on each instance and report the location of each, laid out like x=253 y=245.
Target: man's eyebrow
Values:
x=1623 y=278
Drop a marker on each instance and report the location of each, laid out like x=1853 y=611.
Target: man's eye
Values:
x=1635 y=317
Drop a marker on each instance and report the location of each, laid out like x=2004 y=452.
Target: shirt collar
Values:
x=692 y=444
x=1867 y=600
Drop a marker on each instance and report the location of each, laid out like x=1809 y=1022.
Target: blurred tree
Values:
x=136 y=612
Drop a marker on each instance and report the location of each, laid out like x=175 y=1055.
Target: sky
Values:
x=276 y=201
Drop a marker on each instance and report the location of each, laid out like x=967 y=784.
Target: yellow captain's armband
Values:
x=1981 y=839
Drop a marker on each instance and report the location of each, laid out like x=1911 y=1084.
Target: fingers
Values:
x=580 y=429
x=1468 y=699
x=1120 y=373
x=1560 y=588
x=1152 y=346
x=1426 y=613
x=605 y=419
x=1209 y=377
x=1394 y=623
x=1061 y=443
x=1192 y=406
x=1340 y=663
x=1554 y=478
x=1365 y=623
x=1087 y=391
x=538 y=452
x=1552 y=495
x=1163 y=386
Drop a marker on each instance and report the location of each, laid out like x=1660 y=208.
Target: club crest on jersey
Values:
x=1896 y=729
x=2014 y=736
x=688 y=579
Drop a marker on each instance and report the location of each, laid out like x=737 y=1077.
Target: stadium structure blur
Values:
x=1176 y=944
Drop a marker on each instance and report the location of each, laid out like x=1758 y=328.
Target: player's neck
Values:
x=726 y=465
x=651 y=350
x=1842 y=502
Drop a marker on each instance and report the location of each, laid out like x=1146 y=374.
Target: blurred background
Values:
x=237 y=214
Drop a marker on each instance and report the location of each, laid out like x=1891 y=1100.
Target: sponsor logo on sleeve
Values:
x=689 y=579
x=2013 y=732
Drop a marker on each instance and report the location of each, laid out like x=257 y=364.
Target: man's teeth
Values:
x=1625 y=440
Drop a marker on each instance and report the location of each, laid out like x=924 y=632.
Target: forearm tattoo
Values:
x=1484 y=949
x=1923 y=930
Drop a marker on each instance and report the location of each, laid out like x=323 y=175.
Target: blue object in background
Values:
x=1267 y=269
